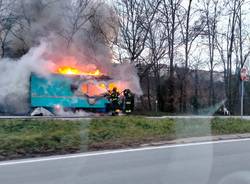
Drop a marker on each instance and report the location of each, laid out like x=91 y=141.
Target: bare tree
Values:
x=211 y=15
x=191 y=29
x=187 y=51
x=233 y=46
x=134 y=23
x=77 y=15
x=172 y=13
x=241 y=44
x=136 y=20
x=196 y=65
x=156 y=45
x=8 y=21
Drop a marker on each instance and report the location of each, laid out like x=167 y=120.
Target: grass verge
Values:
x=32 y=138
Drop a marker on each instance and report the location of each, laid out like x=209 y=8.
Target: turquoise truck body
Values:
x=56 y=90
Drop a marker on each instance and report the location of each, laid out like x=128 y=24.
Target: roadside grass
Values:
x=32 y=138
x=28 y=138
x=230 y=126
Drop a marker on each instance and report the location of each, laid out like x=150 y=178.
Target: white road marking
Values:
x=82 y=155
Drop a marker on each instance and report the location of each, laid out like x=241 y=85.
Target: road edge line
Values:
x=92 y=154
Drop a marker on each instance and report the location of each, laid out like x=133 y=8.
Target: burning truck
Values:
x=69 y=89
x=69 y=64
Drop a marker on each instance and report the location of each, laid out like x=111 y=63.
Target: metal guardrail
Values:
x=200 y=117
x=91 y=117
x=47 y=117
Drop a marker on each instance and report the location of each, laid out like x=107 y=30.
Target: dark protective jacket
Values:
x=114 y=96
x=128 y=101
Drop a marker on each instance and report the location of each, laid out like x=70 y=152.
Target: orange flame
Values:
x=73 y=71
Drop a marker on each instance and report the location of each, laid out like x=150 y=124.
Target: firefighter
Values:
x=115 y=101
x=128 y=101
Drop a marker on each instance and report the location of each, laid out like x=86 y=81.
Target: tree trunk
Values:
x=196 y=90
x=184 y=81
x=148 y=93
x=229 y=58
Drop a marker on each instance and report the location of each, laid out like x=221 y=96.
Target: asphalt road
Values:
x=222 y=162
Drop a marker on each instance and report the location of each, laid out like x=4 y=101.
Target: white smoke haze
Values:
x=79 y=113
x=14 y=79
x=127 y=73
x=62 y=33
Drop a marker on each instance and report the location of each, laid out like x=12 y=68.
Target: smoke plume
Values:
x=55 y=30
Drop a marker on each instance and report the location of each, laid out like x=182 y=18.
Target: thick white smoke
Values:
x=54 y=33
x=14 y=79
